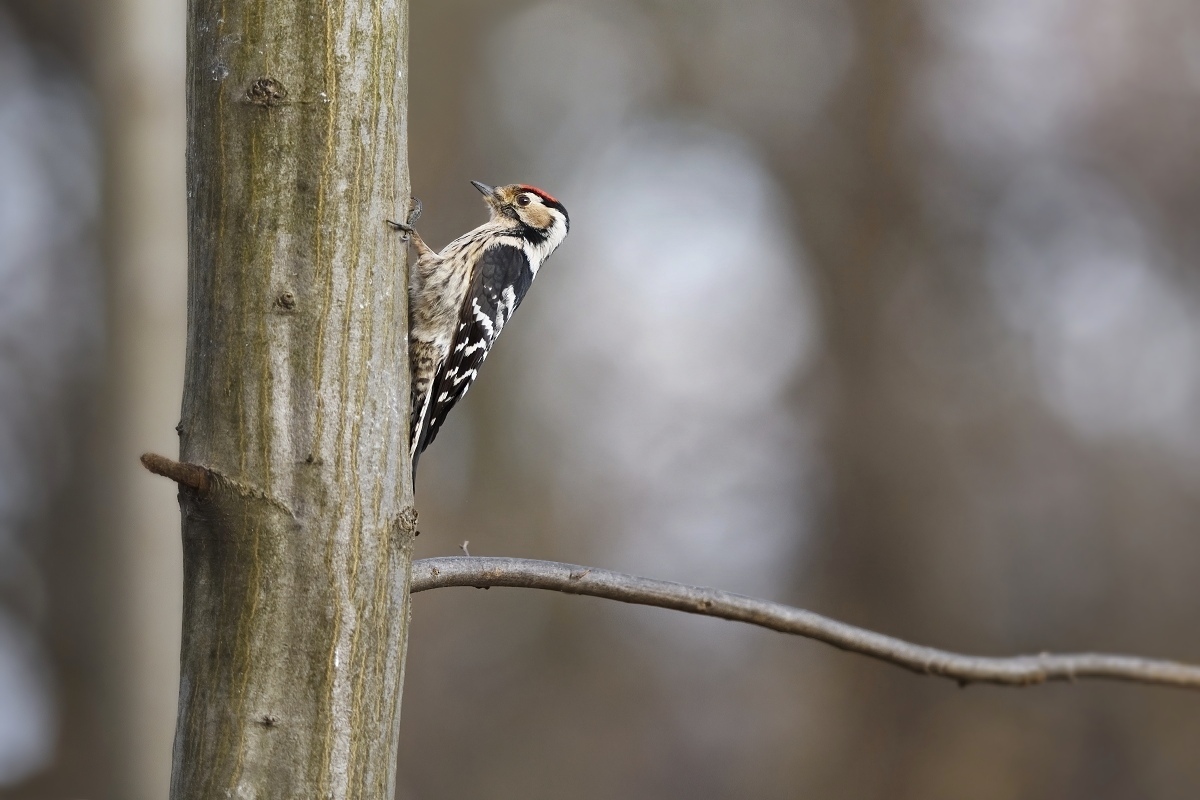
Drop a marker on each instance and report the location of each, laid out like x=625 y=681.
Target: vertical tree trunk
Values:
x=296 y=557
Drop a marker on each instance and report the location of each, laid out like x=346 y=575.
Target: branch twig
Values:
x=435 y=573
x=184 y=474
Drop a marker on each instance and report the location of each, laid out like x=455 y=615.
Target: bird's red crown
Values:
x=541 y=193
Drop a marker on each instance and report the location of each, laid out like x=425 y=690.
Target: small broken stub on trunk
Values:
x=189 y=475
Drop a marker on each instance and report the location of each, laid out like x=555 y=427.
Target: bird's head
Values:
x=539 y=215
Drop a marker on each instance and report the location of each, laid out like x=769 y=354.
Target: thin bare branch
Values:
x=434 y=573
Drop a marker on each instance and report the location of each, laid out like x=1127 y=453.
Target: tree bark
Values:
x=298 y=550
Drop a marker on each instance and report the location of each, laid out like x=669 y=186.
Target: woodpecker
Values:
x=461 y=298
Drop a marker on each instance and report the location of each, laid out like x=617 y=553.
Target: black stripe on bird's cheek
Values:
x=534 y=235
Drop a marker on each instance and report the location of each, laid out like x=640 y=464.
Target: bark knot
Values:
x=266 y=92
x=286 y=301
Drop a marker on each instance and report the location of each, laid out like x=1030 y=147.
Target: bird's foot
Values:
x=407 y=230
x=414 y=213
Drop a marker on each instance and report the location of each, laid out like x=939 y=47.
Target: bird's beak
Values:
x=491 y=196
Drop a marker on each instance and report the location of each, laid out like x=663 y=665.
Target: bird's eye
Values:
x=523 y=200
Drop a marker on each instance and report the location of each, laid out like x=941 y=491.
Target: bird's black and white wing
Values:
x=497 y=288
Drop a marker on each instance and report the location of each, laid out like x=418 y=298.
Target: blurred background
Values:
x=888 y=310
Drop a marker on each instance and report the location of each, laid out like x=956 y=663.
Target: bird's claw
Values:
x=407 y=230
x=414 y=213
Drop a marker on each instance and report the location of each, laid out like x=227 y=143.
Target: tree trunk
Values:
x=297 y=555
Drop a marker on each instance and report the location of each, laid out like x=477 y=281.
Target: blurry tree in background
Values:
x=51 y=311
x=889 y=310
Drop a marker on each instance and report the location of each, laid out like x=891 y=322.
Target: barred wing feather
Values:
x=498 y=287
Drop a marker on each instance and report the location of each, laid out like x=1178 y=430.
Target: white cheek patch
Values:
x=539 y=252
